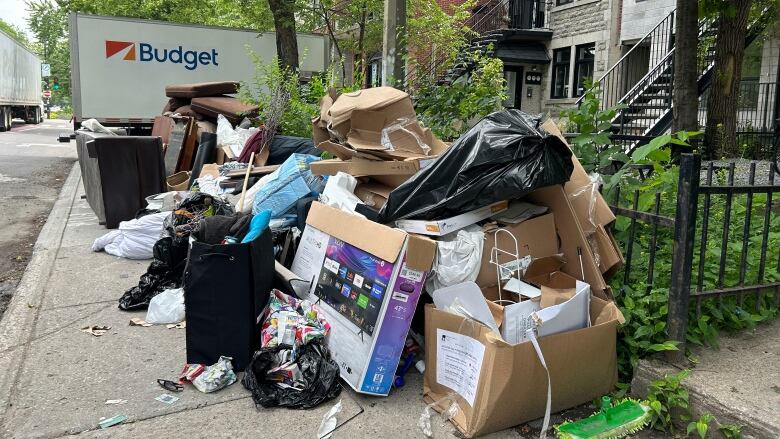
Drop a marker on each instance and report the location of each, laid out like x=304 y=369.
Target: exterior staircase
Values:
x=647 y=100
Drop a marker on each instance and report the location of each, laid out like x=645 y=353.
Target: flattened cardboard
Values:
x=535 y=237
x=373 y=194
x=579 y=178
x=571 y=238
x=361 y=167
x=610 y=256
x=370 y=99
x=512 y=386
x=455 y=223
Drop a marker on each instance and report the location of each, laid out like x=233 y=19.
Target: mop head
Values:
x=611 y=422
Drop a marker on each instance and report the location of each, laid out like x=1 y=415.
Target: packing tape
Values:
x=532 y=336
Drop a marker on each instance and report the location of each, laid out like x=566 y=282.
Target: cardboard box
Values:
x=360 y=167
x=535 y=237
x=373 y=194
x=453 y=224
x=368 y=280
x=591 y=213
x=571 y=238
x=500 y=385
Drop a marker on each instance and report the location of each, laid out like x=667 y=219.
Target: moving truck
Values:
x=20 y=83
x=120 y=66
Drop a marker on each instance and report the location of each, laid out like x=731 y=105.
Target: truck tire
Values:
x=3 y=120
x=34 y=116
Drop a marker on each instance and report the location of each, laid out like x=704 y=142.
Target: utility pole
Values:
x=394 y=42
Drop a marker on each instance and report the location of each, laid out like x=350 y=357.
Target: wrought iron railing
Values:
x=487 y=17
x=715 y=253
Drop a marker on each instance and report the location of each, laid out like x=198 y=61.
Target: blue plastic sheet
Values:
x=293 y=181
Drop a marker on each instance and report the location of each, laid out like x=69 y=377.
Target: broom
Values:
x=611 y=422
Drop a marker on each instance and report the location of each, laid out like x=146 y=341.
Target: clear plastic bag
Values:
x=401 y=125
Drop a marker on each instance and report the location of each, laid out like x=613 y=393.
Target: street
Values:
x=33 y=166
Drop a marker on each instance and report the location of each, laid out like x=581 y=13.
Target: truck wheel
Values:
x=3 y=120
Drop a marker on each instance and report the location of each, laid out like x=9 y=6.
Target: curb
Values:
x=701 y=402
x=17 y=325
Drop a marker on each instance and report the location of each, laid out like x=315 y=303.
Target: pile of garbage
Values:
x=305 y=267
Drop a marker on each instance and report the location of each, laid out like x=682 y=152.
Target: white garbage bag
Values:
x=458 y=258
x=133 y=239
x=339 y=192
x=166 y=307
x=232 y=138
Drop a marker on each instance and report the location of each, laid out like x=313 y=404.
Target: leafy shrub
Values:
x=449 y=109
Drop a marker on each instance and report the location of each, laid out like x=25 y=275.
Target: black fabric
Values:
x=282 y=147
x=319 y=373
x=226 y=288
x=214 y=229
x=131 y=169
x=207 y=151
x=504 y=156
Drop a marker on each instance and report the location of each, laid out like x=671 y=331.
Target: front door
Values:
x=514 y=85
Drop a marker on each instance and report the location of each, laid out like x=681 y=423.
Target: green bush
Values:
x=449 y=109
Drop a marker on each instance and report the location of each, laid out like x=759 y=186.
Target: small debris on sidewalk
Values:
x=96 y=330
x=110 y=422
x=180 y=325
x=136 y=321
x=115 y=401
x=170 y=386
x=167 y=399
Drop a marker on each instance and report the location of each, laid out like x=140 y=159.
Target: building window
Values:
x=583 y=66
x=563 y=2
x=560 y=73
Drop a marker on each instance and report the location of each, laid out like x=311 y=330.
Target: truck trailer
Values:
x=120 y=66
x=20 y=83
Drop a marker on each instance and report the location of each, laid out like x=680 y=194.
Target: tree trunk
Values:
x=727 y=74
x=286 y=39
x=361 y=48
x=685 y=94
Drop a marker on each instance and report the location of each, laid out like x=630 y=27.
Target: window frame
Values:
x=580 y=62
x=567 y=69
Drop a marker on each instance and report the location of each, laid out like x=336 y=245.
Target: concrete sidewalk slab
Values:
x=55 y=379
x=737 y=383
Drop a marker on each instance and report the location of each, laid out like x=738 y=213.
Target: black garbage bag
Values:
x=170 y=252
x=165 y=272
x=320 y=377
x=504 y=156
x=282 y=147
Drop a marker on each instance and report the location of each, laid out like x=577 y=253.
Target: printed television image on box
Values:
x=354 y=283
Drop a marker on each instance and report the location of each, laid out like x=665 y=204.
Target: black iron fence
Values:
x=720 y=239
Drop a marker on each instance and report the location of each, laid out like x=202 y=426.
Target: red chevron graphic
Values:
x=113 y=47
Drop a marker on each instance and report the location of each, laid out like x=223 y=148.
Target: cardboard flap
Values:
x=381 y=241
x=366 y=99
x=541 y=267
x=420 y=253
x=604 y=311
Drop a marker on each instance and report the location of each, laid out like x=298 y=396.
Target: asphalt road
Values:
x=33 y=167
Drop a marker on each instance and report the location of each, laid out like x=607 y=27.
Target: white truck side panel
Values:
x=118 y=87
x=20 y=74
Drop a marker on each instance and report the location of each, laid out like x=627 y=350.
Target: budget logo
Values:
x=147 y=52
x=114 y=47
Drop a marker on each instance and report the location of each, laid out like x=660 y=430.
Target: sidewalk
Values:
x=55 y=379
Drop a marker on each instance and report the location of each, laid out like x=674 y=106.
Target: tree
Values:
x=48 y=24
x=733 y=17
x=685 y=92
x=286 y=37
x=14 y=32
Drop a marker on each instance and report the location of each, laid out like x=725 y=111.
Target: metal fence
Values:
x=717 y=239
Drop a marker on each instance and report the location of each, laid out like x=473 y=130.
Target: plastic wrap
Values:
x=293 y=181
x=458 y=258
x=504 y=156
x=401 y=125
